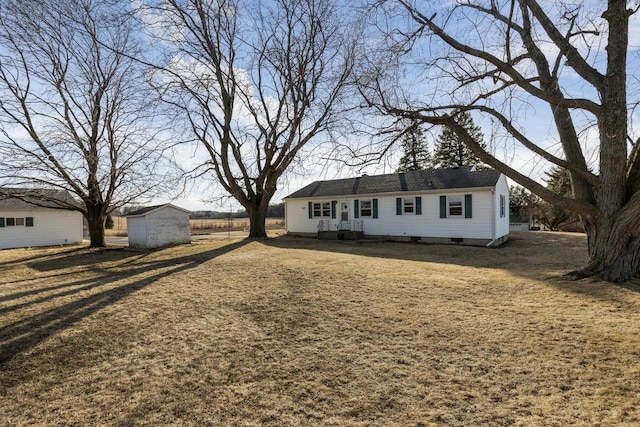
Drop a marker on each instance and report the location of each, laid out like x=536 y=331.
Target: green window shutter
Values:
x=333 y=209
x=418 y=205
x=443 y=206
x=310 y=210
x=398 y=205
x=375 y=208
x=1 y=222
x=356 y=208
x=468 y=212
x=28 y=221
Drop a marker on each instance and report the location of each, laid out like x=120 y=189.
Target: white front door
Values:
x=344 y=211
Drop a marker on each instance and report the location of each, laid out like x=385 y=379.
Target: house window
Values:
x=455 y=205
x=408 y=205
x=322 y=209
x=366 y=208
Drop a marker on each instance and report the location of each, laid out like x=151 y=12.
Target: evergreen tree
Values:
x=523 y=205
x=108 y=223
x=553 y=217
x=416 y=155
x=451 y=152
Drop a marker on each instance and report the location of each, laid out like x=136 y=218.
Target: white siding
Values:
x=502 y=223
x=297 y=217
x=50 y=227
x=165 y=226
x=429 y=224
x=137 y=232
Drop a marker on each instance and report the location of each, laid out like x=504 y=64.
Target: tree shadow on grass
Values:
x=42 y=253
x=599 y=290
x=26 y=333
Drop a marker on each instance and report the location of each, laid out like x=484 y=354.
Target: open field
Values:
x=299 y=331
x=203 y=226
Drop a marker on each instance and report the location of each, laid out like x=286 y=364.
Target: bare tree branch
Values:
x=254 y=99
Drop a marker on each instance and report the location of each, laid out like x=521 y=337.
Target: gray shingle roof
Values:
x=148 y=209
x=27 y=198
x=144 y=210
x=423 y=180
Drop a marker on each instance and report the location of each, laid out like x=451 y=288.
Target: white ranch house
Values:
x=460 y=205
x=30 y=218
x=158 y=226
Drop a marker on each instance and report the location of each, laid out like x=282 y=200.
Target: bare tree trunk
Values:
x=96 y=217
x=614 y=248
x=614 y=256
x=257 y=222
x=257 y=211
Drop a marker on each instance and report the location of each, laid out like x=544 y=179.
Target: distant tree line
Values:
x=273 y=211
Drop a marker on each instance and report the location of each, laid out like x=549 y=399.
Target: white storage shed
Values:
x=158 y=226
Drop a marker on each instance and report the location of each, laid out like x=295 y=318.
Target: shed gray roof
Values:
x=148 y=209
x=28 y=198
x=144 y=210
x=423 y=180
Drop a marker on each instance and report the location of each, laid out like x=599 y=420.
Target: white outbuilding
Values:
x=36 y=217
x=158 y=226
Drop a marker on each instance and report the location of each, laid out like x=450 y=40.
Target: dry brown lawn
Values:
x=299 y=331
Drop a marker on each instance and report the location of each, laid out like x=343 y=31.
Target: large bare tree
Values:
x=256 y=82
x=500 y=59
x=74 y=113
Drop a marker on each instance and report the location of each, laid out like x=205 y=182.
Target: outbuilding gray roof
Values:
x=28 y=198
x=144 y=210
x=148 y=209
x=422 y=180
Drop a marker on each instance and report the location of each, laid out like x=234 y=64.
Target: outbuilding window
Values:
x=16 y=222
